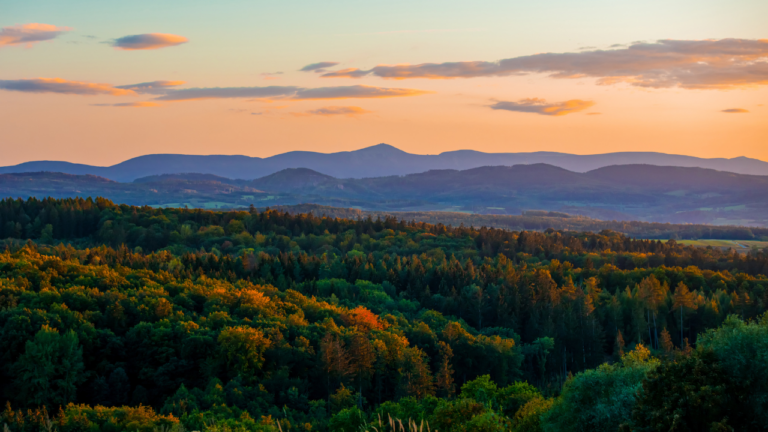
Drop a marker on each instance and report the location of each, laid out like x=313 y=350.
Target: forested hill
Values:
x=123 y=318
x=375 y=161
x=621 y=193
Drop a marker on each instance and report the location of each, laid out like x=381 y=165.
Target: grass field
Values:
x=739 y=245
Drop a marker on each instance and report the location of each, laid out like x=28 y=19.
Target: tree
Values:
x=243 y=349
x=363 y=357
x=46 y=235
x=652 y=293
x=666 y=342
x=684 y=300
x=51 y=368
x=742 y=350
x=619 y=348
x=415 y=376
x=444 y=377
x=335 y=360
x=690 y=394
x=541 y=348
x=600 y=399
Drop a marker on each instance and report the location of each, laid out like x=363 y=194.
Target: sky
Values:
x=100 y=82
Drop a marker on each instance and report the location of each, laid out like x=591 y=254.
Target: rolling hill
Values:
x=627 y=192
x=375 y=161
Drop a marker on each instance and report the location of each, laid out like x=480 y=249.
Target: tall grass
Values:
x=396 y=425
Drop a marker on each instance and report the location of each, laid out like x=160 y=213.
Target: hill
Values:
x=623 y=193
x=376 y=161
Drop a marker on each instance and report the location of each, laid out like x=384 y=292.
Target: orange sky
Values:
x=699 y=89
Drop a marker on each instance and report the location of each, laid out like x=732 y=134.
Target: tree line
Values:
x=245 y=320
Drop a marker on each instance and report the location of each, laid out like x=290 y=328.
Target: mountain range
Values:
x=375 y=161
x=619 y=192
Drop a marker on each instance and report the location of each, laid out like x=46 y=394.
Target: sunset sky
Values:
x=99 y=82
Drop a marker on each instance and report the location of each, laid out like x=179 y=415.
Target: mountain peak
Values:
x=381 y=149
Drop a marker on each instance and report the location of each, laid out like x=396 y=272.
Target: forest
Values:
x=124 y=318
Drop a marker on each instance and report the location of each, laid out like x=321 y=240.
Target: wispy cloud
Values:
x=29 y=34
x=540 y=106
x=318 y=67
x=688 y=64
x=356 y=91
x=271 y=75
x=62 y=86
x=152 y=87
x=735 y=111
x=229 y=92
x=349 y=111
x=389 y=32
x=288 y=92
x=144 y=104
x=148 y=41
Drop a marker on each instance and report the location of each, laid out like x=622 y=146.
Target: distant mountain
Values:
x=188 y=177
x=292 y=180
x=376 y=161
x=627 y=192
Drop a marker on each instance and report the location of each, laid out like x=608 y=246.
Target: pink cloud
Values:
x=29 y=33
x=149 y=41
x=349 y=111
x=62 y=86
x=688 y=64
x=540 y=106
x=143 y=104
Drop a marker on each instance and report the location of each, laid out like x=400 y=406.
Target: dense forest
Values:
x=123 y=318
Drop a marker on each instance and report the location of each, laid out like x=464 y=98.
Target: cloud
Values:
x=735 y=111
x=688 y=64
x=318 y=67
x=144 y=104
x=229 y=92
x=288 y=92
x=540 y=106
x=594 y=113
x=29 y=33
x=356 y=91
x=347 y=73
x=152 y=87
x=148 y=41
x=61 y=86
x=349 y=111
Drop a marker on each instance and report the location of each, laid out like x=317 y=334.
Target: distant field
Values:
x=739 y=245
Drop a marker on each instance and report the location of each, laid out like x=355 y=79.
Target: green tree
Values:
x=600 y=399
x=690 y=394
x=683 y=300
x=742 y=350
x=50 y=369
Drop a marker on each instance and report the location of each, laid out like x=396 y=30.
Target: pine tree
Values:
x=619 y=351
x=444 y=377
x=666 y=342
x=362 y=359
x=683 y=299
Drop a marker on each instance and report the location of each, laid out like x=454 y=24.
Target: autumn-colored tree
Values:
x=415 y=376
x=444 y=377
x=362 y=359
x=363 y=319
x=652 y=293
x=335 y=360
x=619 y=350
x=666 y=342
x=243 y=349
x=683 y=299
